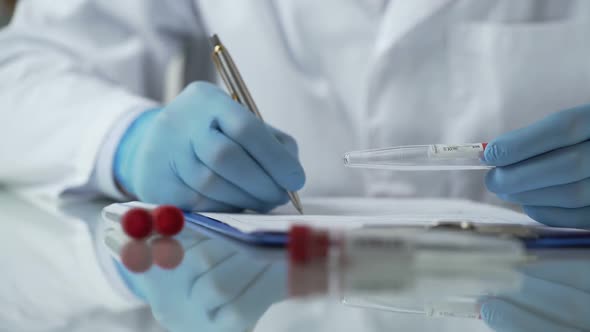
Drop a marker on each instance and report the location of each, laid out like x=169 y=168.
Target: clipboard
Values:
x=532 y=237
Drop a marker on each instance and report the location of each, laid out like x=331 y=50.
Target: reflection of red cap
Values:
x=136 y=256
x=308 y=255
x=308 y=279
x=167 y=252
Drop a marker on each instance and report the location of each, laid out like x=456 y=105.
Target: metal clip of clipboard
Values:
x=533 y=236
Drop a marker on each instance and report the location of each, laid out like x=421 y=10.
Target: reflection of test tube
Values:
x=421 y=157
x=383 y=268
x=457 y=307
x=424 y=245
x=321 y=259
x=139 y=255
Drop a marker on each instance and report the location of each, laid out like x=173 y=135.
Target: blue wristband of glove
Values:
x=127 y=150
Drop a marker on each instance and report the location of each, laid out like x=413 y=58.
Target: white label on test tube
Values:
x=450 y=151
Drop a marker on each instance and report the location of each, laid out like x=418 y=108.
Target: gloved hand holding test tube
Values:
x=544 y=167
x=421 y=157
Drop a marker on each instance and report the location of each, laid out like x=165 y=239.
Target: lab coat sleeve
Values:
x=69 y=71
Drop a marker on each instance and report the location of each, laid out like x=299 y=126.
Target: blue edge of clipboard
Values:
x=267 y=239
x=274 y=239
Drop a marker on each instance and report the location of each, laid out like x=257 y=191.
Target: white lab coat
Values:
x=336 y=74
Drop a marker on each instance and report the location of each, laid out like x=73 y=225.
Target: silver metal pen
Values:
x=239 y=92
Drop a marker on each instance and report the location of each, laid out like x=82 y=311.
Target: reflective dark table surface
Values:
x=65 y=269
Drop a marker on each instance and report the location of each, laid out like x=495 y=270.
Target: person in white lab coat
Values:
x=83 y=109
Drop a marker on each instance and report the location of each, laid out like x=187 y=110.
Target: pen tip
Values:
x=297 y=205
x=215 y=39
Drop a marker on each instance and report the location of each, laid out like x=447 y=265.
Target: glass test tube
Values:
x=421 y=157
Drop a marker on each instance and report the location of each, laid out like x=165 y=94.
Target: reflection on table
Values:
x=201 y=280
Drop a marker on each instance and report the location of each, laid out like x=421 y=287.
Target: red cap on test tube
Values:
x=168 y=220
x=137 y=223
x=308 y=251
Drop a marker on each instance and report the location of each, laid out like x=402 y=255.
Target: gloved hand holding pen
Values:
x=206 y=152
x=546 y=168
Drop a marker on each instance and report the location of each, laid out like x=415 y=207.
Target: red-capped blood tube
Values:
x=137 y=223
x=168 y=220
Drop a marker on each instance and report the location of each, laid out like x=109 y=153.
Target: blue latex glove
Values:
x=215 y=287
x=553 y=297
x=546 y=168
x=206 y=152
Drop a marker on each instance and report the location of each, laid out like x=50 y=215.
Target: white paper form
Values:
x=361 y=212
